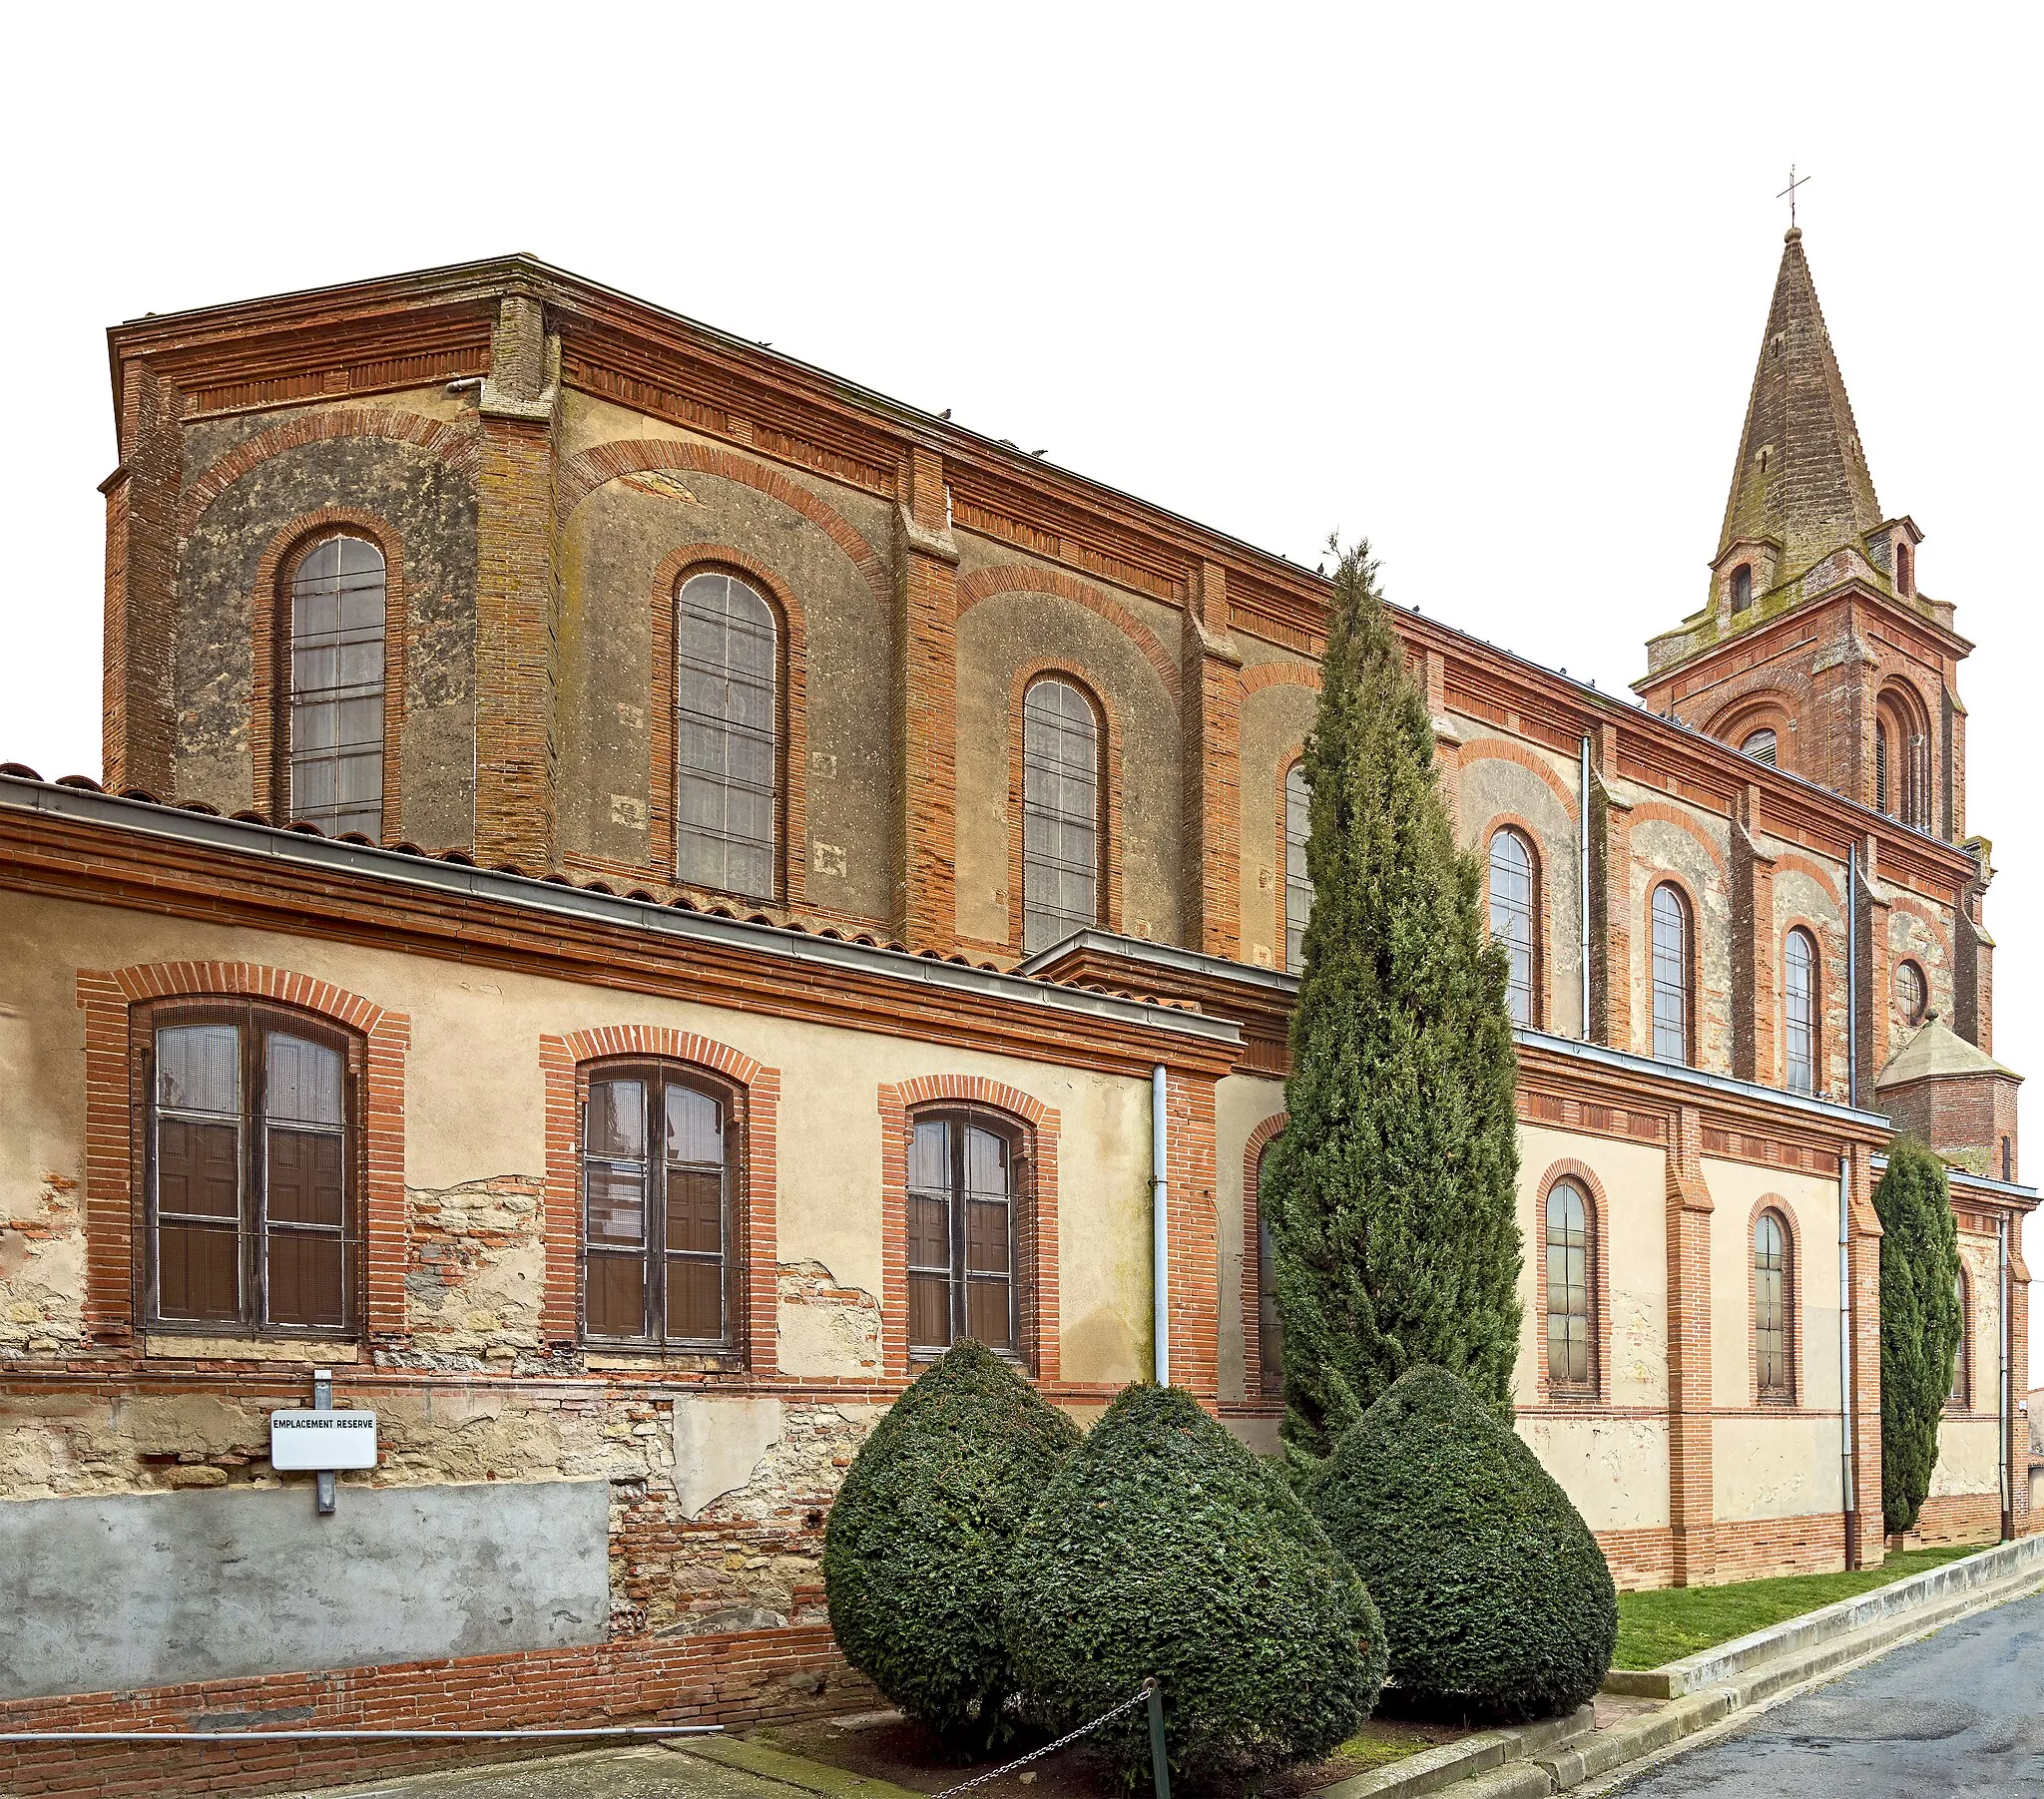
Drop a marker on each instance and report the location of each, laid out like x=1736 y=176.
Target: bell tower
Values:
x=1817 y=648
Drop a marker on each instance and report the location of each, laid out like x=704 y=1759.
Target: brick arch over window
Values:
x=563 y=1058
x=1259 y=1140
x=452 y=444
x=1011 y=577
x=1598 y=1209
x=1280 y=675
x=1646 y=811
x=1763 y=710
x=1037 y=1230
x=792 y=701
x=271 y=645
x=1503 y=750
x=1792 y=1301
x=581 y=475
x=1111 y=741
x=113 y=1170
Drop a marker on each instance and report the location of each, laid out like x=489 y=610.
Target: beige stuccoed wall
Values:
x=1240 y=1104
x=1770 y=1462
x=475 y=1106
x=1968 y=1460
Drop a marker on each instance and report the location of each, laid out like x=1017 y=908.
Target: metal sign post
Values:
x=1159 y=1765
x=323 y=1440
x=323 y=1401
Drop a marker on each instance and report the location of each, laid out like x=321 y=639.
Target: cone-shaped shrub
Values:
x=1165 y=1548
x=919 y=1537
x=1495 y=1597
x=1919 y=1323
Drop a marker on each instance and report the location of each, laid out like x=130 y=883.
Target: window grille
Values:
x=1798 y=996
x=1568 y=1286
x=336 y=724
x=1060 y=814
x=1673 y=987
x=1761 y=747
x=1770 y=1306
x=726 y=746
x=1299 y=885
x=1512 y=922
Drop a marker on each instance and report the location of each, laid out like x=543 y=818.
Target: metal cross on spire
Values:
x=1788 y=194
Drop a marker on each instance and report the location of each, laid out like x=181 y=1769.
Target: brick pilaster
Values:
x=1610 y=902
x=927 y=709
x=139 y=709
x=1432 y=678
x=517 y=579
x=1877 y=967
x=1691 y=1495
x=1756 y=991
x=1210 y=732
x=1865 y=1526
x=1194 y=1236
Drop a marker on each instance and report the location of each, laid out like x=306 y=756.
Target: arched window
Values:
x=1270 y=1326
x=1881 y=800
x=254 y=1145
x=1771 y=1296
x=1741 y=587
x=1570 y=1348
x=1512 y=921
x=334 y=728
x=1299 y=885
x=1904 y=574
x=967 y=1176
x=1799 y=1007
x=1060 y=813
x=1674 y=987
x=727 y=736
x=1911 y=995
x=1761 y=747
x=1962 y=1361
x=658 y=1149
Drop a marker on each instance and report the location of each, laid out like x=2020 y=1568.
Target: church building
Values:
x=642 y=889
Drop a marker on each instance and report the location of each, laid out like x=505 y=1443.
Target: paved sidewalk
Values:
x=644 y=1771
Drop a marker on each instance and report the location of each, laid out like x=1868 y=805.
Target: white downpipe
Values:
x=1846 y=1338
x=1159 y=1225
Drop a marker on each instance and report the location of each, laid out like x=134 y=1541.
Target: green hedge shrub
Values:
x=919 y=1537
x=1495 y=1597
x=1165 y=1548
x=1919 y=1323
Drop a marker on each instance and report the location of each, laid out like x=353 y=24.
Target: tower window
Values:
x=1910 y=994
x=1742 y=588
x=1880 y=770
x=1761 y=747
x=1905 y=581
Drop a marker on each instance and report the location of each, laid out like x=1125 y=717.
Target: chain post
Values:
x=1160 y=1764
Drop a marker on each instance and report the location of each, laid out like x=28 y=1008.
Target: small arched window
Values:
x=1742 y=588
x=1674 y=986
x=1761 y=745
x=1770 y=1302
x=658 y=1149
x=1962 y=1368
x=1911 y=995
x=727 y=736
x=334 y=727
x=1298 y=884
x=968 y=1172
x=1800 y=1009
x=1270 y=1326
x=1061 y=833
x=1881 y=802
x=1569 y=1269
x=1904 y=573
x=1512 y=921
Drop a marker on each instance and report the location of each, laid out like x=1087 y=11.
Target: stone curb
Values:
x=1432 y=1769
x=1968 y=1576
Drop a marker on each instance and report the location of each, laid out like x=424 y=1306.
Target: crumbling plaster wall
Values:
x=1660 y=849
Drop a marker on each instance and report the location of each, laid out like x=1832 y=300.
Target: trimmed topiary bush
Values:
x=919 y=1537
x=1919 y=1323
x=1165 y=1548
x=1494 y=1595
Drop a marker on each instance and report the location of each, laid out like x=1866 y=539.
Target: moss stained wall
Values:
x=1275 y=723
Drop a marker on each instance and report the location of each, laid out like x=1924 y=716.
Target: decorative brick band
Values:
x=1036 y=1229
x=1012 y=578
x=564 y=1063
x=115 y=1169
x=451 y=443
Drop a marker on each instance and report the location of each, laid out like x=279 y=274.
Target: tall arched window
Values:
x=1772 y=1293
x=1962 y=1366
x=658 y=1150
x=1569 y=1270
x=1742 y=588
x=726 y=732
x=1881 y=764
x=1060 y=814
x=1270 y=1326
x=334 y=729
x=1674 y=986
x=1904 y=575
x=1799 y=1006
x=967 y=1176
x=1299 y=885
x=1512 y=921
x=1762 y=746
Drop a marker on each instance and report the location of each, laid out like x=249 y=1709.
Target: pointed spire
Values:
x=1801 y=476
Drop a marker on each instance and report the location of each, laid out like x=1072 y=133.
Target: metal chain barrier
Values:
x=1140 y=1696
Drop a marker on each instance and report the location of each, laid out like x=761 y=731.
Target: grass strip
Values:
x=1655 y=1628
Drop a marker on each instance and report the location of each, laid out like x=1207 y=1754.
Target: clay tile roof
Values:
x=1801 y=476
x=1936 y=1048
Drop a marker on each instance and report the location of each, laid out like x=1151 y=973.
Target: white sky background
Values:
x=1485 y=285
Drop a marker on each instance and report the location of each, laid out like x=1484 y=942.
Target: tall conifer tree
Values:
x=1919 y=1323
x=1391 y=1190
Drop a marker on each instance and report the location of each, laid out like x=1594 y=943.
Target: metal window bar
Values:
x=1798 y=1005
x=337 y=667
x=1671 y=976
x=1299 y=886
x=726 y=736
x=1060 y=814
x=1511 y=919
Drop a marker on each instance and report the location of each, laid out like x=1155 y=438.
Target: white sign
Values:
x=323 y=1440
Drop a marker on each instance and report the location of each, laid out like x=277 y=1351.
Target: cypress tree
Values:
x=1391 y=1190
x=1919 y=1323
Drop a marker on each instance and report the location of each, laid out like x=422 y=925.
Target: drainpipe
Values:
x=1583 y=875
x=2003 y=1395
x=1845 y=1342
x=1159 y=1225
x=1852 y=975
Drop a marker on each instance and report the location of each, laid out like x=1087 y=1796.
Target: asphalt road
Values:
x=1958 y=1713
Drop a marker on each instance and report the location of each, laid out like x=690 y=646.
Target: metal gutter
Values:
x=2007 y=1189
x=235 y=836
